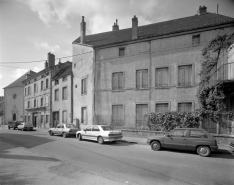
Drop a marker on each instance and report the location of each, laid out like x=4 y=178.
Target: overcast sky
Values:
x=29 y=29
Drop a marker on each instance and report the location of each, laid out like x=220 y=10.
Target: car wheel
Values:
x=8 y=127
x=79 y=137
x=113 y=141
x=155 y=145
x=203 y=151
x=64 y=135
x=51 y=133
x=100 y=140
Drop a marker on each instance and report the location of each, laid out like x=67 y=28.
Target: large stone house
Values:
x=62 y=105
x=38 y=93
x=121 y=75
x=14 y=99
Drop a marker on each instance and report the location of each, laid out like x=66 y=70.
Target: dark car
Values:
x=13 y=124
x=193 y=139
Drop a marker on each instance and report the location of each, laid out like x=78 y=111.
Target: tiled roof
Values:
x=158 y=29
x=66 y=71
x=18 y=82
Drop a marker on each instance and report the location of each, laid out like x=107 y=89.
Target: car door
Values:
x=56 y=130
x=197 y=137
x=60 y=130
x=176 y=139
x=95 y=132
x=86 y=134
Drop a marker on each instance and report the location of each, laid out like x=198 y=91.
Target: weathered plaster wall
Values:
x=14 y=105
x=82 y=67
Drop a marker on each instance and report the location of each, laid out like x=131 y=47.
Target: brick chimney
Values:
x=134 y=27
x=46 y=64
x=202 y=10
x=51 y=60
x=115 y=27
x=82 y=31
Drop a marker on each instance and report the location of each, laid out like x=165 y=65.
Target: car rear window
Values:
x=70 y=126
x=197 y=134
x=106 y=128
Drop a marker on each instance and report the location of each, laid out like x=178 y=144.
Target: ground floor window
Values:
x=42 y=118
x=141 y=111
x=161 y=107
x=117 y=115
x=185 y=107
x=14 y=117
x=84 y=115
x=29 y=120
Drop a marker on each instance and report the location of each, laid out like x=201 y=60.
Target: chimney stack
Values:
x=115 y=27
x=82 y=31
x=46 y=64
x=134 y=27
x=51 y=60
x=202 y=10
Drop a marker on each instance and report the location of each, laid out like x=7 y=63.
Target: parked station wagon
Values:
x=100 y=133
x=185 y=139
x=64 y=130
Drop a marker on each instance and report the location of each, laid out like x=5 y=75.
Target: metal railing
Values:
x=223 y=73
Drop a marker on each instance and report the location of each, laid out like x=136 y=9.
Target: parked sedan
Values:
x=185 y=139
x=100 y=133
x=64 y=130
x=25 y=126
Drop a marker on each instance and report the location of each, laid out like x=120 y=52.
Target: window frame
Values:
x=123 y=81
x=196 y=37
x=148 y=108
x=141 y=79
x=56 y=82
x=168 y=77
x=82 y=116
x=42 y=101
x=121 y=51
x=47 y=83
x=64 y=78
x=189 y=101
x=64 y=98
x=56 y=90
x=192 y=74
x=42 y=85
x=84 y=86
x=63 y=118
x=162 y=102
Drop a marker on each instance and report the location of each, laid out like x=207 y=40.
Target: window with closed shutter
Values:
x=64 y=93
x=56 y=95
x=47 y=101
x=64 y=116
x=84 y=115
x=42 y=84
x=117 y=115
x=47 y=83
x=142 y=79
x=117 y=81
x=161 y=77
x=161 y=107
x=195 y=39
x=141 y=111
x=42 y=118
x=121 y=51
x=185 y=75
x=185 y=107
x=84 y=86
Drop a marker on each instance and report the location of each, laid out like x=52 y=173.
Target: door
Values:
x=176 y=139
x=95 y=132
x=87 y=133
x=55 y=119
x=35 y=120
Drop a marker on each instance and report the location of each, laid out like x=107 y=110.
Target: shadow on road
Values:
x=118 y=143
x=27 y=141
x=26 y=157
x=12 y=179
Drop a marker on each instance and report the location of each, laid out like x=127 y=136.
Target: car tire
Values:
x=64 y=135
x=51 y=133
x=80 y=137
x=203 y=151
x=113 y=141
x=9 y=128
x=100 y=140
x=155 y=145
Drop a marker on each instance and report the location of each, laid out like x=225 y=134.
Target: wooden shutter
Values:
x=141 y=111
x=145 y=78
x=114 y=81
x=185 y=107
x=138 y=79
x=117 y=114
x=161 y=107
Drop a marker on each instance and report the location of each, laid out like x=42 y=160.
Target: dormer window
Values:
x=65 y=78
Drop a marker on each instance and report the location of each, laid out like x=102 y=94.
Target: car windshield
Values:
x=106 y=128
x=70 y=126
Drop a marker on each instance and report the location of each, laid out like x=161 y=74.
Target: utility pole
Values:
x=218 y=8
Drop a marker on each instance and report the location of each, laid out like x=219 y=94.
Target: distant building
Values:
x=37 y=94
x=62 y=96
x=2 y=122
x=14 y=99
x=121 y=75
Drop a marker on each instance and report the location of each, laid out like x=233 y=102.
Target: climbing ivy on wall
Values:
x=211 y=93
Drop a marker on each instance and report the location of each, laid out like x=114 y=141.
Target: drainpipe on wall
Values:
x=71 y=97
x=51 y=117
x=94 y=73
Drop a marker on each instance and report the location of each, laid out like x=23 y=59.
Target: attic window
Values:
x=56 y=82
x=196 y=39
x=121 y=51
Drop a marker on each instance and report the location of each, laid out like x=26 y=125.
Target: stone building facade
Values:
x=124 y=74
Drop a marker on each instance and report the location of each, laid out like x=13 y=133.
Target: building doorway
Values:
x=35 y=120
x=14 y=117
x=55 y=118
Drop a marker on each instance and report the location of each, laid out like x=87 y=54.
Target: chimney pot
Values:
x=202 y=10
x=82 y=31
x=134 y=27
x=115 y=27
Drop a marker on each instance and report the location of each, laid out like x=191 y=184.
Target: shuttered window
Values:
x=161 y=107
x=42 y=102
x=161 y=77
x=141 y=111
x=64 y=93
x=47 y=118
x=117 y=81
x=185 y=75
x=42 y=84
x=29 y=90
x=117 y=115
x=25 y=91
x=142 y=79
x=195 y=39
x=64 y=116
x=28 y=104
x=84 y=86
x=35 y=103
x=35 y=88
x=47 y=101
x=42 y=118
x=121 y=51
x=47 y=83
x=84 y=115
x=185 y=107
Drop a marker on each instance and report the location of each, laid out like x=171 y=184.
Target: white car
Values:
x=100 y=133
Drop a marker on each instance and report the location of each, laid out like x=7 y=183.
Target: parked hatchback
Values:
x=185 y=139
x=25 y=126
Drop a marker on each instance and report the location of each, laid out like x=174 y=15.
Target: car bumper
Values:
x=112 y=138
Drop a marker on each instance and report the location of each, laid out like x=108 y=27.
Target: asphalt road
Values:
x=69 y=161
